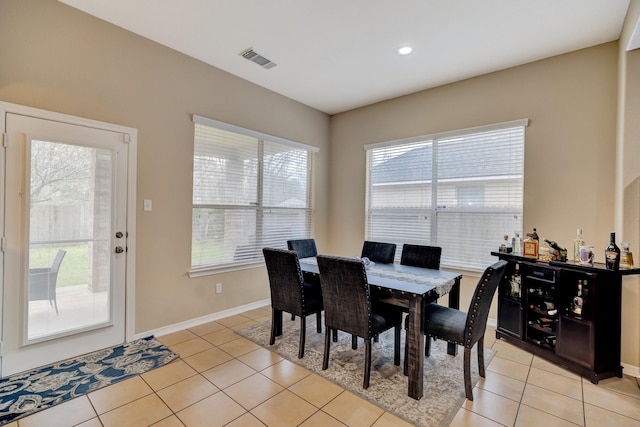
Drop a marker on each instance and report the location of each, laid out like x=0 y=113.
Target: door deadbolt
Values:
x=119 y=235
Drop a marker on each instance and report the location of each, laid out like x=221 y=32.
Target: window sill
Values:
x=209 y=270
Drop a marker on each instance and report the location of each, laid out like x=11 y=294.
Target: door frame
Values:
x=130 y=220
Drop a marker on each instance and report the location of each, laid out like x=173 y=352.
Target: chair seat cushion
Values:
x=384 y=317
x=445 y=323
x=313 y=304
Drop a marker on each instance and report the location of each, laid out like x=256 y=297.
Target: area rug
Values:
x=32 y=391
x=443 y=374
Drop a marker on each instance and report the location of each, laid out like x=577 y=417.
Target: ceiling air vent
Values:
x=252 y=56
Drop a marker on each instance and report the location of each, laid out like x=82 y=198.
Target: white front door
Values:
x=65 y=248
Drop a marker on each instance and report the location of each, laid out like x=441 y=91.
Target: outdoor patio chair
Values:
x=43 y=281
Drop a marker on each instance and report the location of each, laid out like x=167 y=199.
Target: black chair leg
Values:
x=327 y=345
x=427 y=346
x=354 y=342
x=367 y=363
x=272 y=339
x=319 y=322
x=303 y=333
x=335 y=335
x=468 y=390
x=293 y=317
x=481 y=356
x=396 y=346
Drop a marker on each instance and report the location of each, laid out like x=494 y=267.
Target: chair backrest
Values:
x=285 y=280
x=383 y=253
x=55 y=267
x=481 y=303
x=421 y=256
x=304 y=247
x=345 y=295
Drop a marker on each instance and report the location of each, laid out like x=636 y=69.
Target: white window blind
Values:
x=249 y=191
x=459 y=190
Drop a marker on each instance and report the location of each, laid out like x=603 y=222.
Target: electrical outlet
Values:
x=218 y=288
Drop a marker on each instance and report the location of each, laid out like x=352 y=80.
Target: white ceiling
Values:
x=335 y=55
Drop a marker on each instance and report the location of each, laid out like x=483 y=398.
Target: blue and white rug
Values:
x=32 y=391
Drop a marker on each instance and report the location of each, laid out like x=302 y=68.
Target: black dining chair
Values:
x=348 y=307
x=422 y=256
x=305 y=248
x=466 y=329
x=383 y=253
x=290 y=293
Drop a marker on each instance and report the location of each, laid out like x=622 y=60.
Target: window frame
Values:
x=434 y=213
x=259 y=207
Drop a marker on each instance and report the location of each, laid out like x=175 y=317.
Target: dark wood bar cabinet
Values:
x=536 y=312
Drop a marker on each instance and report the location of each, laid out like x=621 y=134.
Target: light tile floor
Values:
x=223 y=379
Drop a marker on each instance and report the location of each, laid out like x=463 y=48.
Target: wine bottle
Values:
x=576 y=305
x=612 y=254
x=586 y=304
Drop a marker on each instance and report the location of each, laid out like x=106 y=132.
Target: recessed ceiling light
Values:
x=404 y=50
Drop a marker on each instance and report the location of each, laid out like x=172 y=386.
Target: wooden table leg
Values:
x=454 y=302
x=415 y=343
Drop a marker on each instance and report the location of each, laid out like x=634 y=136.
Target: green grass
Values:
x=74 y=269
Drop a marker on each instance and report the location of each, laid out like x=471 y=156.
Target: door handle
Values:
x=119 y=249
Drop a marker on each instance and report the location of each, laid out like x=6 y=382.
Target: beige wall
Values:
x=570 y=153
x=59 y=59
x=569 y=150
x=628 y=185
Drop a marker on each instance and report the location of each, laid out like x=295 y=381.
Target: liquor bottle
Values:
x=516 y=243
x=505 y=247
x=576 y=305
x=516 y=283
x=612 y=254
x=626 y=257
x=577 y=242
x=530 y=245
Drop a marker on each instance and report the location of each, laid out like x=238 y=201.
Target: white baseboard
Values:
x=631 y=370
x=204 y=319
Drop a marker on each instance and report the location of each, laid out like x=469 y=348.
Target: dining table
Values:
x=410 y=288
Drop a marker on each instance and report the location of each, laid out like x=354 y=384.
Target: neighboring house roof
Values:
x=416 y=165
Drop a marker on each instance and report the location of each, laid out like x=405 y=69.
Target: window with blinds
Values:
x=250 y=190
x=459 y=190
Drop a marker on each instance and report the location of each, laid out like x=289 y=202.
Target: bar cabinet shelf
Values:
x=537 y=312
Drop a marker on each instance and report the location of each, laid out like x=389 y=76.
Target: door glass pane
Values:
x=69 y=239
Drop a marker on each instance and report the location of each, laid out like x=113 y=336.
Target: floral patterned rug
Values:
x=443 y=374
x=32 y=391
